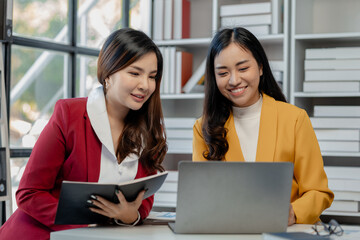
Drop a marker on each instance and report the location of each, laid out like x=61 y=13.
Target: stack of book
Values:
x=260 y=18
x=166 y=196
x=179 y=132
x=337 y=128
x=277 y=68
x=196 y=82
x=332 y=69
x=171 y=19
x=345 y=183
x=177 y=70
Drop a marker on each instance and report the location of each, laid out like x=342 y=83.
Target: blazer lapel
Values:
x=93 y=151
x=234 y=153
x=268 y=131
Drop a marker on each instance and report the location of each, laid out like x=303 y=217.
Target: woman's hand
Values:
x=126 y=212
x=291 y=219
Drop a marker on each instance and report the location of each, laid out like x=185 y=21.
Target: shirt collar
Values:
x=96 y=108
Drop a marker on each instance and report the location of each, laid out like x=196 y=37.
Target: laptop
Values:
x=233 y=197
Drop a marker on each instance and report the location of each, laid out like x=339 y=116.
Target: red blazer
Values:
x=67 y=149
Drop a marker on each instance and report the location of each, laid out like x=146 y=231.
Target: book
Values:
x=341 y=172
x=184 y=62
x=168 y=19
x=196 y=76
x=334 y=86
x=167 y=216
x=172 y=70
x=158 y=18
x=172 y=176
x=339 y=146
x=334 y=64
x=179 y=134
x=169 y=186
x=292 y=236
x=344 y=185
x=166 y=197
x=73 y=206
x=336 y=111
x=333 y=53
x=179 y=123
x=180 y=144
x=181 y=19
x=166 y=70
x=246 y=20
x=332 y=75
x=347 y=195
x=333 y=122
x=344 y=206
x=338 y=134
x=245 y=9
x=162 y=50
x=167 y=194
x=259 y=30
x=276 y=16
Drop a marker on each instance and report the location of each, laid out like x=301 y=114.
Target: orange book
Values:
x=184 y=62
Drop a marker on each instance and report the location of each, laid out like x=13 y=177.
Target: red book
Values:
x=184 y=62
x=181 y=19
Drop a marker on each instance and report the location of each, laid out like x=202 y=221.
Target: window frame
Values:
x=71 y=48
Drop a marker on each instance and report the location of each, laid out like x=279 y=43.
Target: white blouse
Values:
x=110 y=170
x=247 y=123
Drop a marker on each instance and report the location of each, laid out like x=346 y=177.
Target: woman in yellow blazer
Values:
x=246 y=118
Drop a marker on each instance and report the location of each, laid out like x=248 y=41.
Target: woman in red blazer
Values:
x=113 y=135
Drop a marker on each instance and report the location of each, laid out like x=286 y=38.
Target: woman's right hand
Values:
x=126 y=212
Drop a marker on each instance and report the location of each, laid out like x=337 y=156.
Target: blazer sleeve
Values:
x=35 y=195
x=314 y=194
x=147 y=203
x=199 y=145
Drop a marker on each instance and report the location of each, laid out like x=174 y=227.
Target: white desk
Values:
x=158 y=232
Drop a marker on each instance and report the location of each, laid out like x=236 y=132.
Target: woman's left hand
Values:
x=126 y=212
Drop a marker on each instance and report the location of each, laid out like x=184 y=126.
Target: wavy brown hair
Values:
x=217 y=108
x=143 y=133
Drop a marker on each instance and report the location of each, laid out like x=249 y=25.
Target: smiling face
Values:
x=238 y=75
x=131 y=87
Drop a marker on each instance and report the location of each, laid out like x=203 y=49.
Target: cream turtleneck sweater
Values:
x=247 y=123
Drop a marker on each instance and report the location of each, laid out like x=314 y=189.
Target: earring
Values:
x=106 y=84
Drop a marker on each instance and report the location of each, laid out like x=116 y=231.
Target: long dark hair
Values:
x=143 y=133
x=217 y=108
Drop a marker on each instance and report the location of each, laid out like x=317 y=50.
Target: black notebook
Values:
x=74 y=209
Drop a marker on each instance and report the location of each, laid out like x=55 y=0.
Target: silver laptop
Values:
x=233 y=197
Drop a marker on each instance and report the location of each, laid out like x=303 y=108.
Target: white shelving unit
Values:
x=205 y=21
x=4 y=140
x=324 y=24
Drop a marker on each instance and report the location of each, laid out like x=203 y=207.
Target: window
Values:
x=30 y=19
x=52 y=54
x=96 y=20
x=38 y=80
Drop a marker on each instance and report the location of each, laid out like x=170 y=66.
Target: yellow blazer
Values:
x=285 y=135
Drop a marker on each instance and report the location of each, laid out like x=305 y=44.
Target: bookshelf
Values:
x=305 y=24
x=5 y=179
x=313 y=26
x=205 y=20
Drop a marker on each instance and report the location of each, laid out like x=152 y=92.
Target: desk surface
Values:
x=151 y=232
